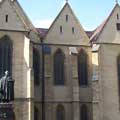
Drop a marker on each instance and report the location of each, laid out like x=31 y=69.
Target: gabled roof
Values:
x=100 y=28
x=21 y=14
x=57 y=17
x=80 y=37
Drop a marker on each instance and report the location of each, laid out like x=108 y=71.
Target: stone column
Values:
x=75 y=89
x=76 y=104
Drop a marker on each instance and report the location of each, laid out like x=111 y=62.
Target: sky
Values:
x=90 y=13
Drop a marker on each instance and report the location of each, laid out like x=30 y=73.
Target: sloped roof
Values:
x=21 y=14
x=100 y=28
x=57 y=17
x=43 y=32
x=89 y=33
x=97 y=31
x=76 y=21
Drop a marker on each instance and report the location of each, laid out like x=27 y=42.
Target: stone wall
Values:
x=71 y=96
x=109 y=94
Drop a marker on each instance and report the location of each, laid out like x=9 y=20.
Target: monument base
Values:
x=6 y=111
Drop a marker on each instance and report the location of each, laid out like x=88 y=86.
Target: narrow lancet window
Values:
x=66 y=18
x=36 y=66
x=36 y=113
x=60 y=112
x=118 y=69
x=61 y=29
x=84 y=112
x=83 y=68
x=117 y=17
x=73 y=30
x=6 y=18
x=5 y=56
x=59 y=68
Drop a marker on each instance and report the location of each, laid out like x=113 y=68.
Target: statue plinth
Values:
x=6 y=111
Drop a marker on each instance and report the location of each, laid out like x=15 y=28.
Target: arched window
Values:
x=5 y=55
x=82 y=68
x=118 y=66
x=59 y=68
x=36 y=113
x=60 y=112
x=84 y=112
x=36 y=66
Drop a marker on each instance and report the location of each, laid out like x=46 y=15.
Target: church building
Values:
x=64 y=72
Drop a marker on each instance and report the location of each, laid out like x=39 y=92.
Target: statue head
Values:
x=6 y=73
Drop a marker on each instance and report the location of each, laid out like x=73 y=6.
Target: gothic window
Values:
x=84 y=112
x=118 y=66
x=60 y=112
x=59 y=68
x=36 y=66
x=36 y=113
x=5 y=55
x=82 y=68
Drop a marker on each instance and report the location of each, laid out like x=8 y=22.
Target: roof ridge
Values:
x=100 y=28
x=57 y=17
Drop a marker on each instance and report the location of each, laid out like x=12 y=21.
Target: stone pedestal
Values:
x=6 y=111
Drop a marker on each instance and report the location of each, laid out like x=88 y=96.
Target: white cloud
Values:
x=43 y=23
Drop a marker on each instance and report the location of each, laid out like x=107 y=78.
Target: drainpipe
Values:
x=43 y=81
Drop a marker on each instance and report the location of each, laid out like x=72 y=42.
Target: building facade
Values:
x=63 y=72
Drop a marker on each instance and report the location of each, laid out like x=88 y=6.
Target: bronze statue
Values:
x=6 y=88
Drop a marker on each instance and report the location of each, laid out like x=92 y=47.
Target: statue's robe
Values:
x=6 y=89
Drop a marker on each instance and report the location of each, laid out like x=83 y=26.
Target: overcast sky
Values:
x=89 y=12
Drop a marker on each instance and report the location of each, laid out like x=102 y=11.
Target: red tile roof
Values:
x=42 y=31
x=89 y=33
x=97 y=31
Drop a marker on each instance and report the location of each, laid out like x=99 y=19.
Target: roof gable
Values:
x=16 y=16
x=107 y=32
x=72 y=31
